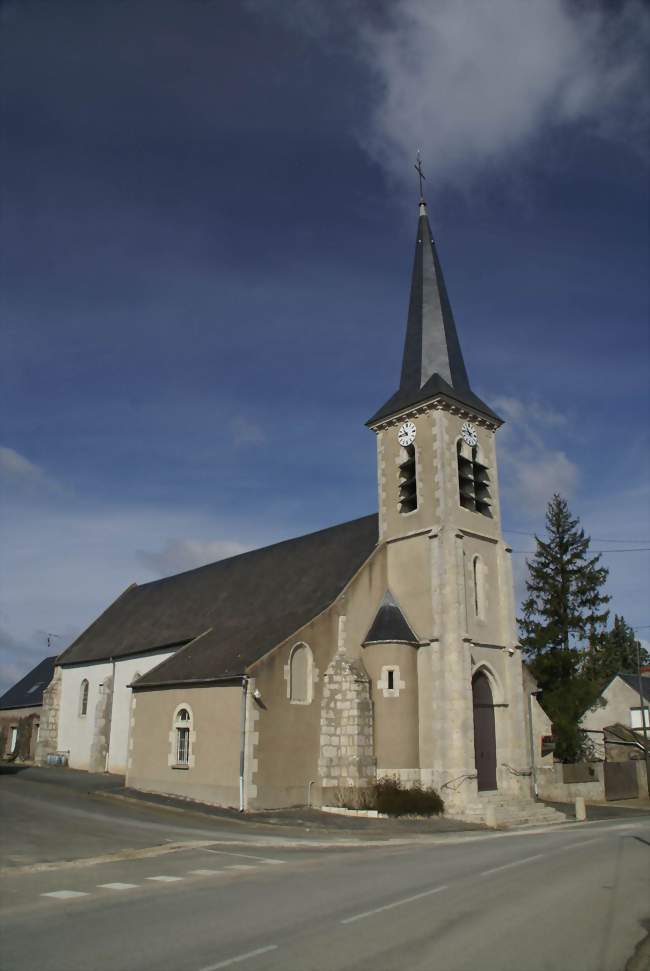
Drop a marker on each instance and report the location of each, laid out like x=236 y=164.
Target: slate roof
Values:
x=28 y=692
x=389 y=624
x=247 y=604
x=433 y=362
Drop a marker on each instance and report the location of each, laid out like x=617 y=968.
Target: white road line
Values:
x=576 y=846
x=507 y=866
x=240 y=866
x=205 y=873
x=117 y=886
x=240 y=957
x=65 y=894
x=164 y=879
x=245 y=856
x=396 y=903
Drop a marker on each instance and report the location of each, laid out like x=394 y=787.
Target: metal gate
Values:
x=621 y=780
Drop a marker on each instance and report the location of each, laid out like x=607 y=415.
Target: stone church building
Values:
x=382 y=646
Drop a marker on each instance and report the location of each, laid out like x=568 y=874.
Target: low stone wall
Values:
x=553 y=788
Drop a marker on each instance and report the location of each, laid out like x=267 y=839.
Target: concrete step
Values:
x=519 y=812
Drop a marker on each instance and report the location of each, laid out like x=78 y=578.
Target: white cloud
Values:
x=18 y=472
x=184 y=554
x=470 y=82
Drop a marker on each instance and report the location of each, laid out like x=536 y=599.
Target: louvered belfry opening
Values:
x=473 y=480
x=408 y=489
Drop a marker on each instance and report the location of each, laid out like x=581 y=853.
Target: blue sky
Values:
x=208 y=221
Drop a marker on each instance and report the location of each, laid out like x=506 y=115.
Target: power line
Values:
x=597 y=539
x=632 y=549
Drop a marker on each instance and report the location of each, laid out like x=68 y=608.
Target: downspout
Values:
x=242 y=744
x=110 y=719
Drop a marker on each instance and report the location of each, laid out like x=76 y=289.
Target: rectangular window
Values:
x=182 y=746
x=635 y=717
x=14 y=739
x=391 y=680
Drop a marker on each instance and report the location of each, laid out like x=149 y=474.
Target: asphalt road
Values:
x=95 y=885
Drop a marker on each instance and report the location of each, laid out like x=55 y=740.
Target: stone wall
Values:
x=49 y=731
x=346 y=726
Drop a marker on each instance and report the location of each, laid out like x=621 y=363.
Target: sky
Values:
x=208 y=221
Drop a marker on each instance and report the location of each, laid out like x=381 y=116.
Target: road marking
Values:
x=117 y=886
x=164 y=879
x=64 y=894
x=240 y=866
x=507 y=866
x=246 y=856
x=240 y=957
x=396 y=903
x=576 y=846
x=205 y=873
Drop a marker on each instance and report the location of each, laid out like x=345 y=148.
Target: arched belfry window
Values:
x=83 y=697
x=408 y=487
x=478 y=577
x=473 y=479
x=300 y=674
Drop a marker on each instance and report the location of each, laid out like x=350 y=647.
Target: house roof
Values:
x=28 y=692
x=242 y=606
x=390 y=624
x=432 y=364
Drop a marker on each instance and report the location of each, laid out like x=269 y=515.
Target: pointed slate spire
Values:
x=390 y=624
x=433 y=361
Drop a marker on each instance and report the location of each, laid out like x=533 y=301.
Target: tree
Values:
x=617 y=650
x=565 y=603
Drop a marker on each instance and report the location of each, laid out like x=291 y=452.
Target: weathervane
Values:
x=421 y=175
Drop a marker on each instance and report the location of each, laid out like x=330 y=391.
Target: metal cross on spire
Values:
x=421 y=175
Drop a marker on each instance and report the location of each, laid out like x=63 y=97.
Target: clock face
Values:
x=406 y=434
x=469 y=433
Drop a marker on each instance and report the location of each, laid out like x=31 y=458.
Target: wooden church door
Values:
x=485 y=741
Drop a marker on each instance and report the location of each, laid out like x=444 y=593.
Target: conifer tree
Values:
x=615 y=651
x=564 y=604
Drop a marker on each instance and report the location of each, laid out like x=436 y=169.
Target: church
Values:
x=384 y=646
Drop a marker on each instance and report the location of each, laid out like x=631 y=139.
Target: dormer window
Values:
x=473 y=479
x=408 y=488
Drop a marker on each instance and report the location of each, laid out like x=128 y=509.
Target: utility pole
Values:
x=644 y=721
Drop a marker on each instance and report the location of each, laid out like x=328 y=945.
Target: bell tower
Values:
x=447 y=563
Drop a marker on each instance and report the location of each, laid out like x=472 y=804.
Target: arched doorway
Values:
x=485 y=742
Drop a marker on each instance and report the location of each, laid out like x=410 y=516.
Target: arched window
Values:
x=182 y=737
x=478 y=577
x=473 y=479
x=408 y=486
x=83 y=697
x=300 y=674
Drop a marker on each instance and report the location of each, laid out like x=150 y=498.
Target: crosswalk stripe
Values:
x=64 y=894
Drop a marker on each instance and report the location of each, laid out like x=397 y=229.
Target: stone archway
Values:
x=485 y=742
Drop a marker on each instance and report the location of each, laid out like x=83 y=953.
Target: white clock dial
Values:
x=469 y=434
x=406 y=434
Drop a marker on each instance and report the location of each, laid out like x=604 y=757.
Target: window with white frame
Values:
x=183 y=725
x=14 y=739
x=83 y=697
x=635 y=717
x=301 y=674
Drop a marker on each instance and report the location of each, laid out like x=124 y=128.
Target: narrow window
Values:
x=182 y=724
x=408 y=487
x=479 y=587
x=300 y=674
x=83 y=697
x=473 y=479
x=14 y=739
x=391 y=680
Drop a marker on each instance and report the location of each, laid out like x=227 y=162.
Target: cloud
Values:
x=184 y=554
x=246 y=432
x=533 y=468
x=470 y=83
x=18 y=472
